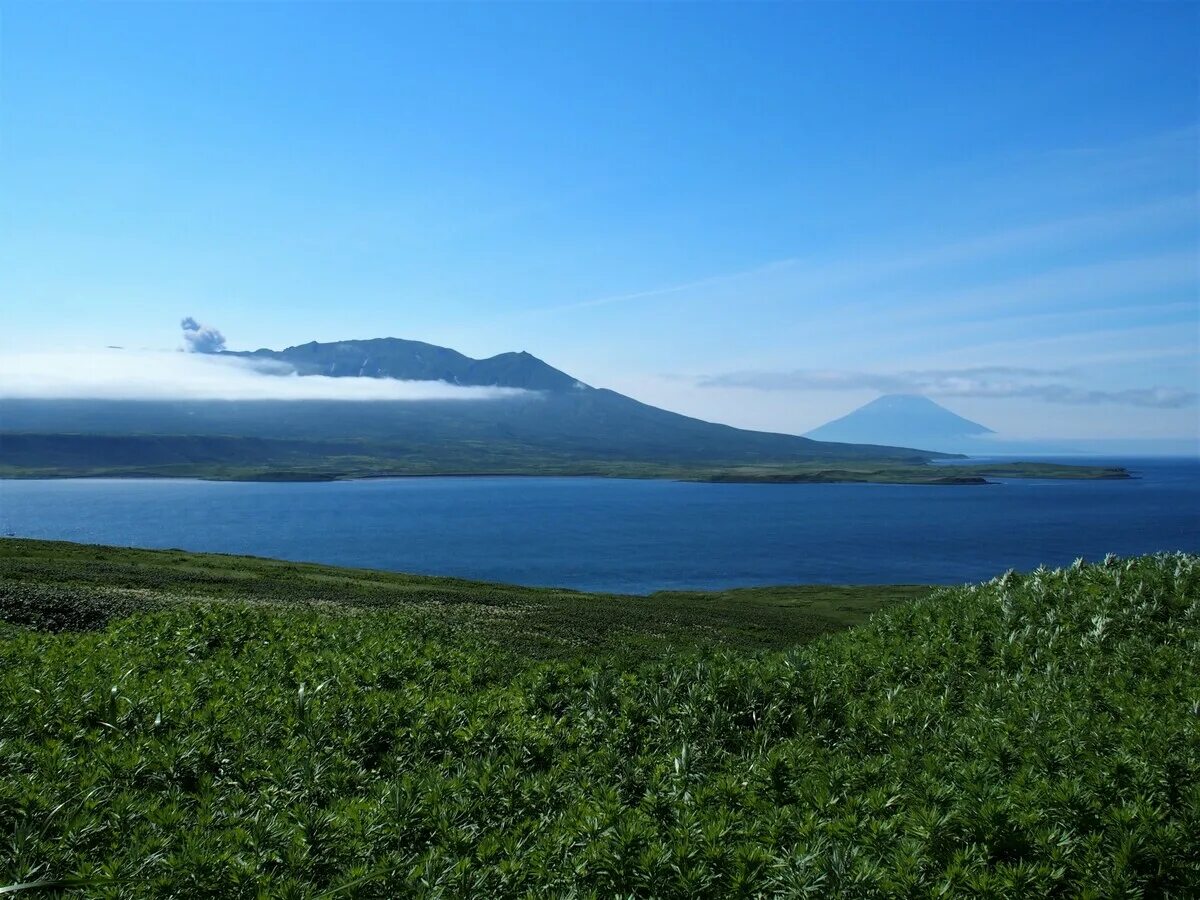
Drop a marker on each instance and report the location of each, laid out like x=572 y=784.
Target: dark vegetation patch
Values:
x=57 y=607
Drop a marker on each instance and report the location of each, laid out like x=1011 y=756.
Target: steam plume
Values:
x=201 y=338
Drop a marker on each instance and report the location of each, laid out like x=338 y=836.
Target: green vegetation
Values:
x=60 y=586
x=246 y=728
x=897 y=473
x=225 y=458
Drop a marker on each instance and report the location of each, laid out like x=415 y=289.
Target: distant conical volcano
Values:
x=906 y=420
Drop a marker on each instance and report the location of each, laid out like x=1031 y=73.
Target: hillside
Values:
x=592 y=424
x=61 y=586
x=241 y=728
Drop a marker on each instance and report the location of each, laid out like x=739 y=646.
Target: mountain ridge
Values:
x=405 y=359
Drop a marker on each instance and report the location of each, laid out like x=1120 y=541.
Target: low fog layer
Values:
x=164 y=375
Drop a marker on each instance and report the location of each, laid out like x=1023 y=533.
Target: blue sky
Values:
x=750 y=213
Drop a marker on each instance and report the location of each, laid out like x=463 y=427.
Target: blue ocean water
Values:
x=633 y=536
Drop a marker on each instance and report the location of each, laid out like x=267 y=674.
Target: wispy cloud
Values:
x=979 y=381
x=669 y=289
x=164 y=375
x=1085 y=283
x=801 y=276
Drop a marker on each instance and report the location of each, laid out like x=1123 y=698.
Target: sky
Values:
x=760 y=214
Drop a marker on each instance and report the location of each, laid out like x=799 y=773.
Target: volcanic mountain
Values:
x=905 y=419
x=554 y=422
x=416 y=361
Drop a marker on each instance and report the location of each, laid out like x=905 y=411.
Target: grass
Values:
x=61 y=586
x=230 y=458
x=250 y=729
x=817 y=472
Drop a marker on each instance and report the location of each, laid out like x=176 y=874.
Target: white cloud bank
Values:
x=978 y=381
x=163 y=375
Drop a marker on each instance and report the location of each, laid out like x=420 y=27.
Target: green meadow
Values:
x=188 y=725
x=246 y=458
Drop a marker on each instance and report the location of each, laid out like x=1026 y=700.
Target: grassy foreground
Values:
x=1038 y=735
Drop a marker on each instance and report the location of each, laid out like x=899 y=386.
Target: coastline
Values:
x=783 y=474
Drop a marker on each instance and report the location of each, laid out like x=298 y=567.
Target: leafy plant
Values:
x=1038 y=735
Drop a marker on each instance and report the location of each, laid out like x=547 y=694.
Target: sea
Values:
x=634 y=536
